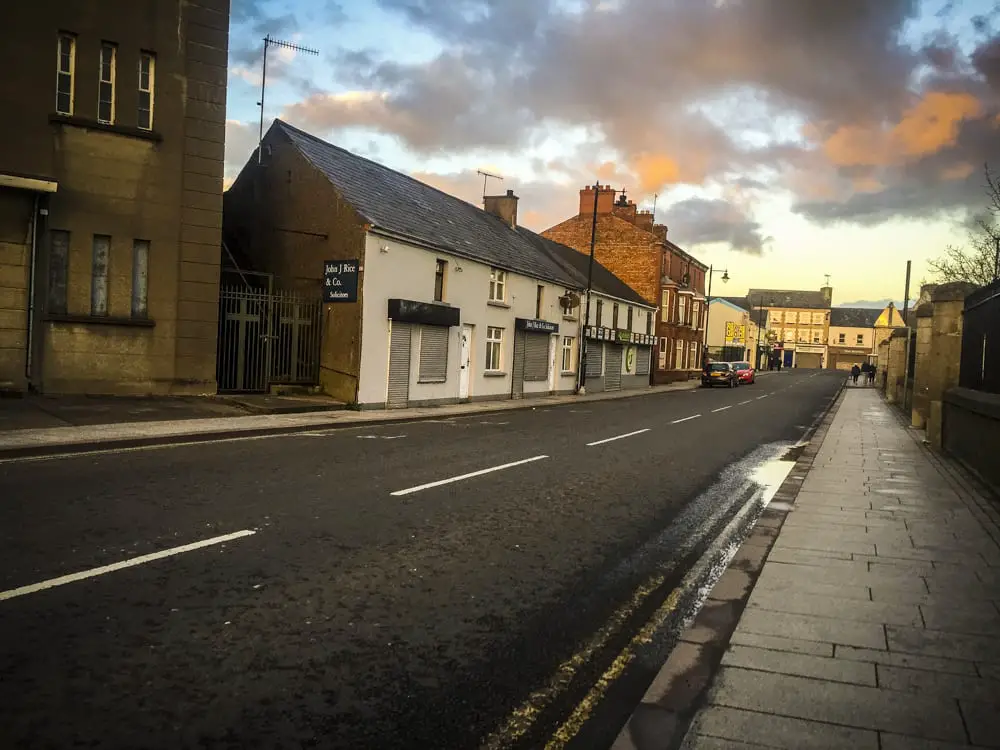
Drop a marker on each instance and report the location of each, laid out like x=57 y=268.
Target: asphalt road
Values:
x=354 y=617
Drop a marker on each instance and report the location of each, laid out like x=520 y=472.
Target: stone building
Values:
x=636 y=250
x=857 y=332
x=111 y=194
x=798 y=323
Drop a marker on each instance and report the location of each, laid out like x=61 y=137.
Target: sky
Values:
x=778 y=139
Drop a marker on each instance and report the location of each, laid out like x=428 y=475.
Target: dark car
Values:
x=719 y=373
x=745 y=372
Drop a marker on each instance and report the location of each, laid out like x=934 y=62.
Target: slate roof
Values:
x=788 y=298
x=397 y=203
x=854 y=317
x=740 y=302
x=575 y=264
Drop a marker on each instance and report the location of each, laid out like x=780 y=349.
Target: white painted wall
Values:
x=851 y=336
x=407 y=272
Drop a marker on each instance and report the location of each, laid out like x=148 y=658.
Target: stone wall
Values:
x=895 y=382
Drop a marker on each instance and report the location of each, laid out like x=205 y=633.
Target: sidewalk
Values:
x=875 y=621
x=141 y=430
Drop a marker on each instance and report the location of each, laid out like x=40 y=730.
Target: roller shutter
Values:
x=642 y=355
x=613 y=368
x=517 y=366
x=536 y=356
x=433 y=354
x=399 y=366
x=595 y=358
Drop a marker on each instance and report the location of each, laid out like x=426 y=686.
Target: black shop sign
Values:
x=340 y=281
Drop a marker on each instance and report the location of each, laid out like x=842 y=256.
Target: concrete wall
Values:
x=288 y=219
x=162 y=185
x=407 y=272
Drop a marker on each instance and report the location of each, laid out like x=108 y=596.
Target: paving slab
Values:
x=908 y=661
x=838 y=607
x=983 y=721
x=781 y=731
x=804 y=665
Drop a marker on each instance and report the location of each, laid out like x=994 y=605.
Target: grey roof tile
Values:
x=788 y=298
x=854 y=317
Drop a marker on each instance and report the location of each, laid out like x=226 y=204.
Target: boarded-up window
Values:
x=433 y=354
x=99 y=275
x=536 y=356
x=58 y=270
x=595 y=359
x=140 y=278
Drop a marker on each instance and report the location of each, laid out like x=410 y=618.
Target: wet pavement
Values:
x=376 y=603
x=875 y=622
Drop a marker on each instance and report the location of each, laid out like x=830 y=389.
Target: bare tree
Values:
x=978 y=262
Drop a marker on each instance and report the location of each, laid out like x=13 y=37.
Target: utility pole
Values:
x=582 y=390
x=996 y=260
x=269 y=42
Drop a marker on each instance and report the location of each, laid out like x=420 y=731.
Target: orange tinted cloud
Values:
x=927 y=127
x=655 y=170
x=957 y=171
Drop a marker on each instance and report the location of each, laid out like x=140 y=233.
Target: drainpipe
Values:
x=29 y=353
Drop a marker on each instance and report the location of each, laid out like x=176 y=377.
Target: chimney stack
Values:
x=503 y=206
x=827 y=294
x=605 y=200
x=660 y=230
x=624 y=208
x=644 y=220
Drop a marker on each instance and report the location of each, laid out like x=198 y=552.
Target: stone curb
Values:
x=663 y=717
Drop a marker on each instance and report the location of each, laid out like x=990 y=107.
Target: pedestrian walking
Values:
x=871 y=374
x=855 y=374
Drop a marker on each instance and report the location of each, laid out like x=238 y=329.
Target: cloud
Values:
x=700 y=221
x=241 y=141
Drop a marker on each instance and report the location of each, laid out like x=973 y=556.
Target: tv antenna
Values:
x=827 y=277
x=486 y=176
x=269 y=42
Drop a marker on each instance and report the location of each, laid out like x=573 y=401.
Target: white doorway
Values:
x=465 y=363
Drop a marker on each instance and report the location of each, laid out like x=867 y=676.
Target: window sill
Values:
x=104 y=320
x=421 y=381
x=570 y=318
x=494 y=374
x=494 y=303
x=86 y=122
x=567 y=373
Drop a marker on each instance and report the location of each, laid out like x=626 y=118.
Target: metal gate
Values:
x=267 y=338
x=613 y=368
x=399 y=366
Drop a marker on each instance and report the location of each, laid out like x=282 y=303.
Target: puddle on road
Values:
x=770 y=476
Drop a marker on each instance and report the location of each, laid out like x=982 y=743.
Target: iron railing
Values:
x=980 y=368
x=267 y=338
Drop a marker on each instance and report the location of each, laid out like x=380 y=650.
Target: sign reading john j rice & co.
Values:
x=340 y=281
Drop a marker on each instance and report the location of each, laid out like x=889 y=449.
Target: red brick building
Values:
x=638 y=252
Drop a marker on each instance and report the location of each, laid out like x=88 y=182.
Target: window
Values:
x=861 y=338
x=439 y=267
x=817 y=318
x=649 y=323
x=815 y=338
x=789 y=334
x=498 y=285
x=663 y=344
x=106 y=84
x=842 y=338
x=65 y=65
x=665 y=306
x=614 y=315
x=775 y=316
x=494 y=345
x=600 y=313
x=696 y=314
x=58 y=270
x=99 y=275
x=539 y=299
x=682 y=309
x=628 y=317
x=678 y=355
x=567 y=354
x=564 y=305
x=693 y=362
x=147 y=69
x=140 y=278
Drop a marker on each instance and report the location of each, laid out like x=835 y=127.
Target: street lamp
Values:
x=725 y=278
x=582 y=365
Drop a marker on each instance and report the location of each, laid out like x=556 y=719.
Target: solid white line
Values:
x=721 y=408
x=678 y=421
x=741 y=403
x=84 y=574
x=618 y=437
x=418 y=488
x=764 y=396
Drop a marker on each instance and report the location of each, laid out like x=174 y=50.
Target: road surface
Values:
x=358 y=588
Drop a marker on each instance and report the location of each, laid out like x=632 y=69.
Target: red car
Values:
x=744 y=372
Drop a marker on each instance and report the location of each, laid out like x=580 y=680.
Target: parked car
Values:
x=744 y=372
x=719 y=373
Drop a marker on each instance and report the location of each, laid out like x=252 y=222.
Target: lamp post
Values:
x=725 y=277
x=582 y=366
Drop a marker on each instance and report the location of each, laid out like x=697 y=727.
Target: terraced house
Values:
x=111 y=161
x=634 y=248
x=798 y=324
x=427 y=299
